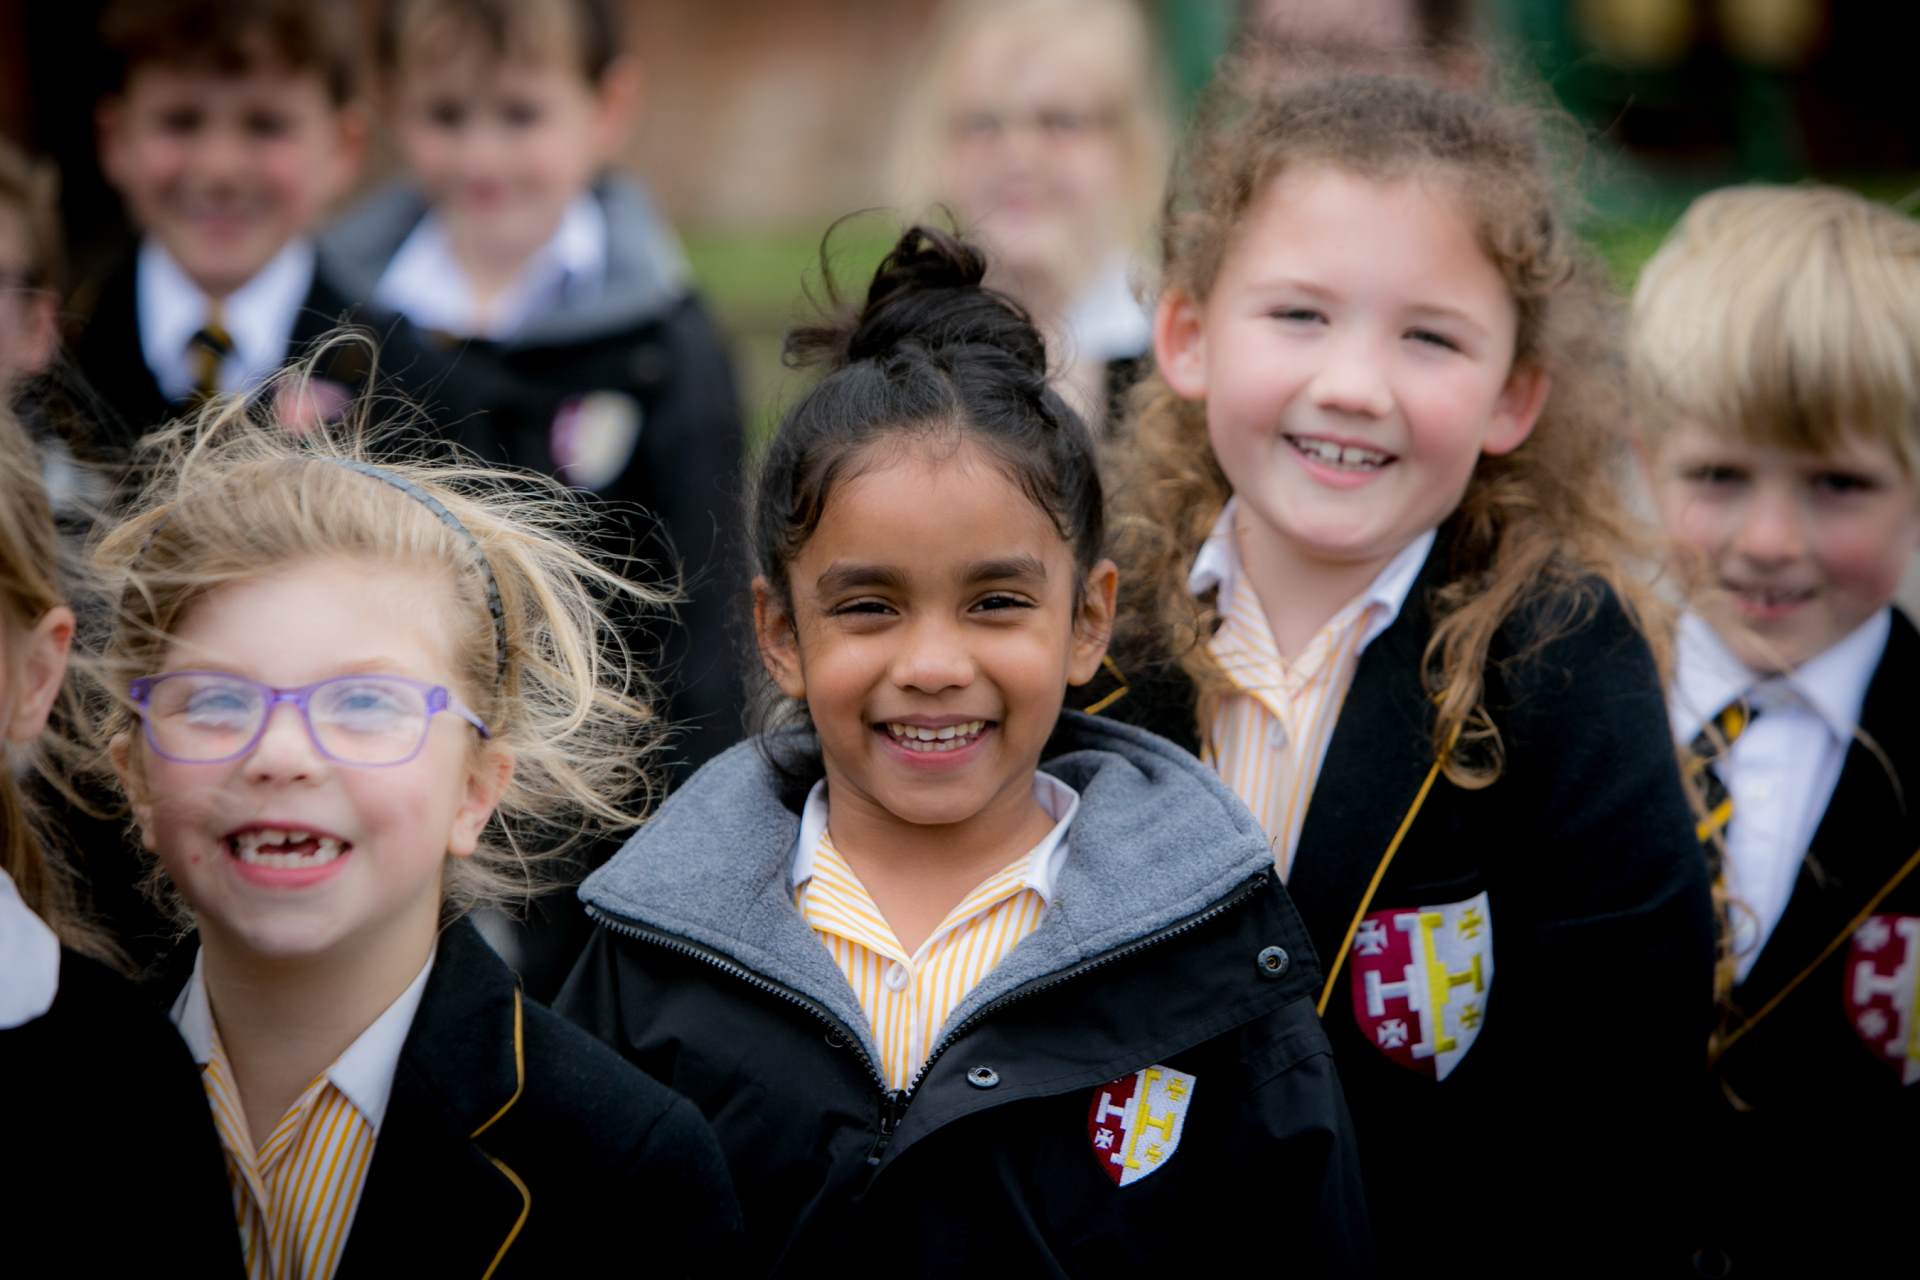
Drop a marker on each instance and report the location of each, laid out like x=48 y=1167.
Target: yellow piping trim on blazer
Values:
x=1117 y=694
x=1373 y=886
x=519 y=1086
x=1853 y=925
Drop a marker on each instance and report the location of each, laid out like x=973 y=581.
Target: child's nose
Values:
x=1772 y=529
x=1351 y=380
x=220 y=153
x=285 y=751
x=932 y=658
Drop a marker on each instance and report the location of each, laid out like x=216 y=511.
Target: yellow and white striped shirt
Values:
x=295 y=1194
x=908 y=998
x=1269 y=741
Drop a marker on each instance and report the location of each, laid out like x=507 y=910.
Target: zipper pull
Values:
x=893 y=1104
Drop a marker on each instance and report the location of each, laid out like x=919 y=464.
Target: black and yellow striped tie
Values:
x=208 y=349
x=1707 y=750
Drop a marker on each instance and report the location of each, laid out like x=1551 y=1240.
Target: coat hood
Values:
x=647 y=269
x=1158 y=838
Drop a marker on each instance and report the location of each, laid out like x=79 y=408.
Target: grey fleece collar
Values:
x=647 y=270
x=1158 y=838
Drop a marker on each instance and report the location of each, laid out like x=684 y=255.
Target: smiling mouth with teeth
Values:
x=948 y=737
x=1344 y=457
x=274 y=847
x=1771 y=597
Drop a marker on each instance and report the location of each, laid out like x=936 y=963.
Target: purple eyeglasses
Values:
x=370 y=721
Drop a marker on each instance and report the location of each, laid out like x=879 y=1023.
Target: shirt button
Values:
x=896 y=976
x=1277 y=736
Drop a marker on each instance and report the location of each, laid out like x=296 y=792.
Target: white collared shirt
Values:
x=29 y=960
x=1781 y=771
x=1269 y=740
x=1060 y=801
x=424 y=282
x=1106 y=322
x=259 y=316
x=364 y=1072
x=1218 y=565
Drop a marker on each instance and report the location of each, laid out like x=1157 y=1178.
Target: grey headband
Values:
x=452 y=522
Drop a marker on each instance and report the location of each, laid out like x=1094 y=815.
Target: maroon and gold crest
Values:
x=1421 y=976
x=1883 y=990
x=1135 y=1122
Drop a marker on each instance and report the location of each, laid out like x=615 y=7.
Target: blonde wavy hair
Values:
x=32 y=566
x=1784 y=316
x=1538 y=527
x=231 y=495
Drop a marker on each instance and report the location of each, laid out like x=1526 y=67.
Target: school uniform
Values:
x=1528 y=991
x=1815 y=1097
x=1139 y=1080
x=475 y=1134
x=108 y=1161
x=137 y=355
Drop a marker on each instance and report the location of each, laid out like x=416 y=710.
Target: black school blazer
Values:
x=515 y=1144
x=1557 y=1126
x=1807 y=1112
x=119 y=388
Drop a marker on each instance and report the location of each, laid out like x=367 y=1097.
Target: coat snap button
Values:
x=835 y=1040
x=1273 y=961
x=983 y=1077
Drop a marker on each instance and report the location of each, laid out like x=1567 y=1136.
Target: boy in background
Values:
x=549 y=313
x=229 y=129
x=1776 y=357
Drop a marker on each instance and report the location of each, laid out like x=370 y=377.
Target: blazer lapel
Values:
x=1868 y=830
x=436 y=1201
x=1381 y=750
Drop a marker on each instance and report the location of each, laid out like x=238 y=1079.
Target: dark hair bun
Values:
x=927 y=294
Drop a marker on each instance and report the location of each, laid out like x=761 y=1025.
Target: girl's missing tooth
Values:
x=351 y=698
x=1374 y=564
x=958 y=979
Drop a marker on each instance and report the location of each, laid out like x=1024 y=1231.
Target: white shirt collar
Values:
x=1060 y=801
x=1832 y=684
x=1107 y=322
x=364 y=1072
x=424 y=282
x=1218 y=566
x=29 y=960
x=259 y=316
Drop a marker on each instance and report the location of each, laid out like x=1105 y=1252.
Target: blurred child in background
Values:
x=29 y=269
x=111 y=1160
x=1042 y=125
x=1776 y=356
x=229 y=129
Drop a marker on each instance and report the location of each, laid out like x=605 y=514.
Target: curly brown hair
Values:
x=1544 y=521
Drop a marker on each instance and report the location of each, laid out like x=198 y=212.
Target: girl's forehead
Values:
x=930 y=501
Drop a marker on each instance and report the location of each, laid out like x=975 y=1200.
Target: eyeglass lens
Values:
x=355 y=719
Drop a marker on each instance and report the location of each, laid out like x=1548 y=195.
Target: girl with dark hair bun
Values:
x=962 y=980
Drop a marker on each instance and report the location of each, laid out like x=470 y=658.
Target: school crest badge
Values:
x=1883 y=989
x=1135 y=1122
x=1420 y=981
x=593 y=438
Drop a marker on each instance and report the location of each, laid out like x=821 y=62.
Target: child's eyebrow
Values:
x=1020 y=566
x=853 y=577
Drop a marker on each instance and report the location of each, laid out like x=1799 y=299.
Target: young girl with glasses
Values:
x=352 y=701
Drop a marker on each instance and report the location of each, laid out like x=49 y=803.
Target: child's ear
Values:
x=486 y=783
x=1517 y=409
x=42 y=666
x=779 y=645
x=617 y=105
x=1180 y=343
x=134 y=783
x=1093 y=628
